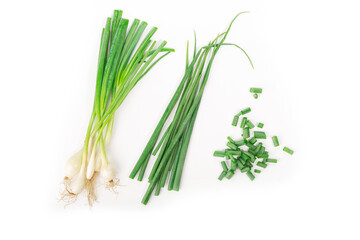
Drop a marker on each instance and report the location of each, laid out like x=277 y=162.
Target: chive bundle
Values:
x=247 y=152
x=123 y=61
x=173 y=149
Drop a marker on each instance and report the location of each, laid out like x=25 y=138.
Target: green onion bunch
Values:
x=126 y=55
x=173 y=145
x=248 y=152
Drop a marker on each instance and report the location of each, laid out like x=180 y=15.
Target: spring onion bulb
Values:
x=125 y=57
x=73 y=165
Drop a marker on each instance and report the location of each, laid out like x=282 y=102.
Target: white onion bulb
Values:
x=73 y=165
x=107 y=171
x=78 y=182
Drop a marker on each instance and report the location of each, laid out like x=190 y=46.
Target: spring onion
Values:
x=125 y=57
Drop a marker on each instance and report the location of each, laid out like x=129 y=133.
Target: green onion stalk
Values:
x=174 y=144
x=124 y=59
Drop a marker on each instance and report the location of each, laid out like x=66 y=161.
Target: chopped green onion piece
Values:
x=271 y=160
x=240 y=164
x=233 y=152
x=253 y=140
x=219 y=154
x=231 y=140
x=232 y=157
x=275 y=141
x=261 y=164
x=243 y=122
x=233 y=165
x=229 y=174
x=258 y=148
x=232 y=146
x=240 y=142
x=262 y=150
x=222 y=175
x=224 y=166
x=288 y=150
x=260 y=135
x=248 y=163
x=260 y=125
x=246 y=132
x=250 y=124
x=235 y=120
x=255 y=95
x=252 y=151
x=249 y=154
x=251 y=146
x=256 y=90
x=245 y=111
x=245 y=157
x=242 y=161
x=245 y=169
x=250 y=175
x=257 y=171
x=264 y=155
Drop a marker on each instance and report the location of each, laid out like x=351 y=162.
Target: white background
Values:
x=306 y=57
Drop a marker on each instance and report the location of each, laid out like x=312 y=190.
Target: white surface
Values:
x=306 y=56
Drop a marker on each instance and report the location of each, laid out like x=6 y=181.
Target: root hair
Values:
x=113 y=185
x=90 y=189
x=66 y=196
